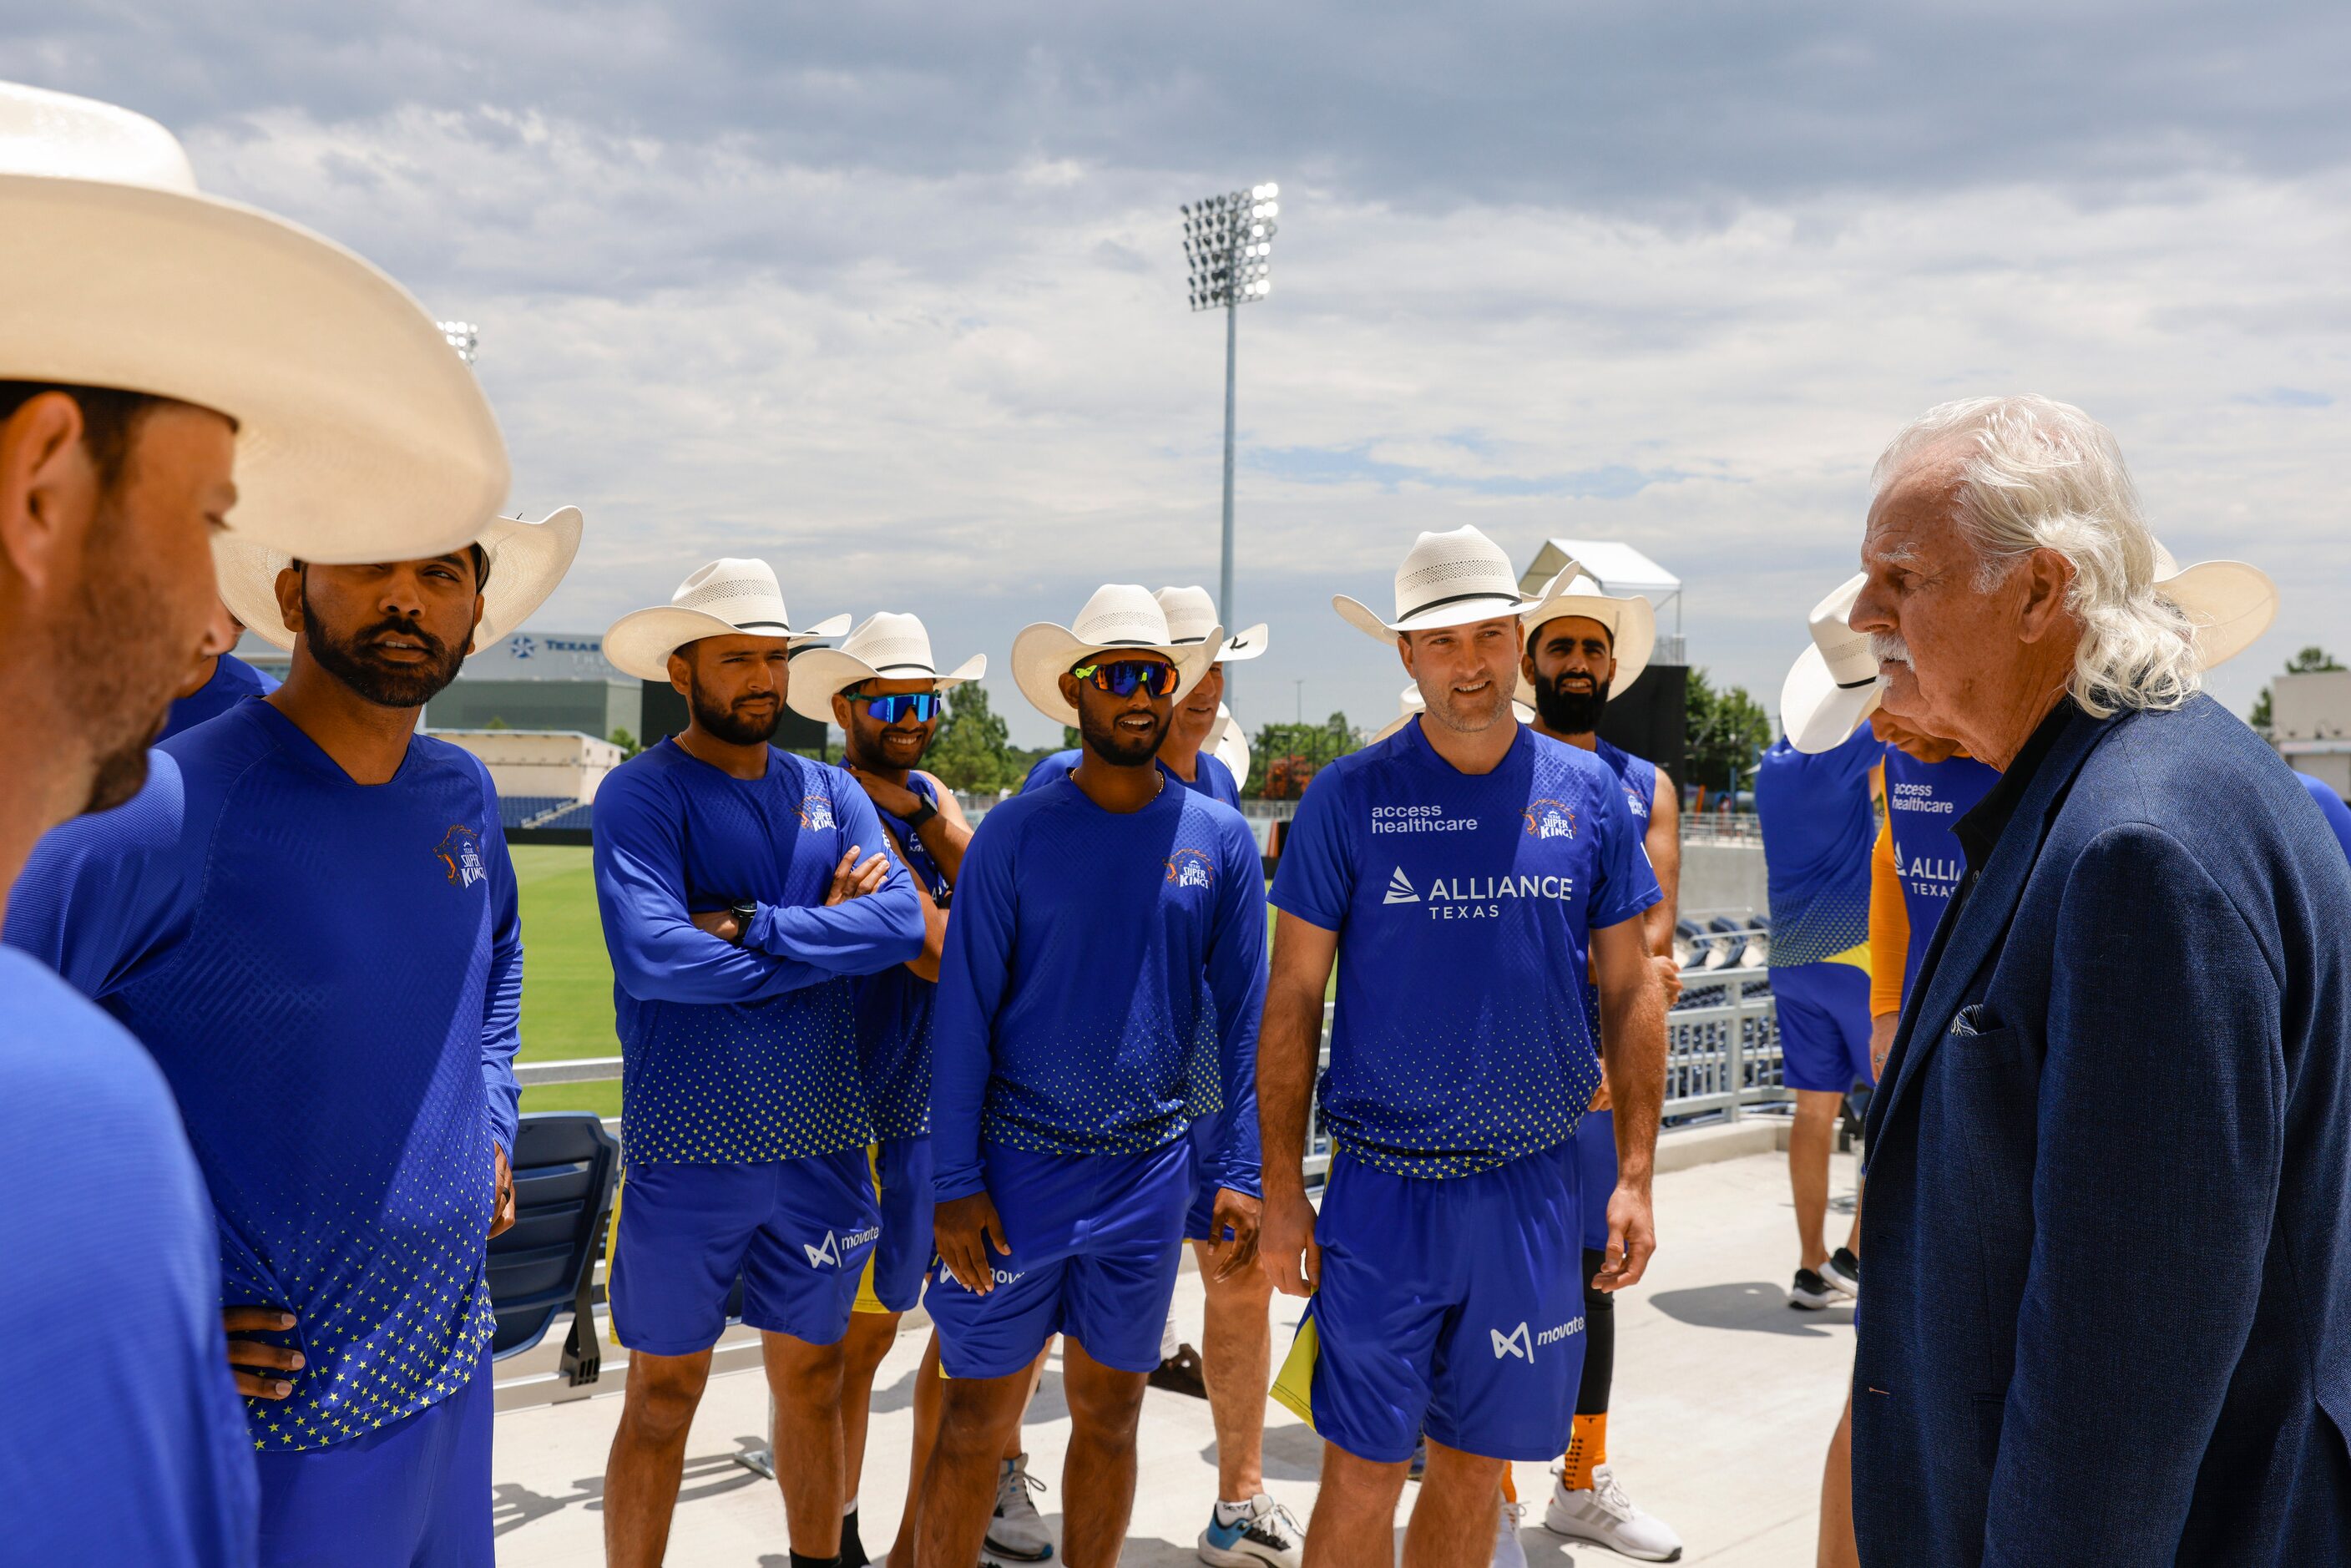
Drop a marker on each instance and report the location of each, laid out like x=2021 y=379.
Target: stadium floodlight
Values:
x=464 y=336
x=1229 y=248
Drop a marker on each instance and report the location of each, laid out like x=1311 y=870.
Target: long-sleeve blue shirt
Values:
x=741 y=1054
x=121 y=1440
x=1102 y=980
x=893 y=1008
x=330 y=975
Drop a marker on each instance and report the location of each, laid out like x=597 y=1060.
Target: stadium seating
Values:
x=566 y=1166
x=513 y=810
x=582 y=814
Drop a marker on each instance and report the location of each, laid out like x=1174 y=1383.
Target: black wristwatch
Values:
x=743 y=909
x=923 y=812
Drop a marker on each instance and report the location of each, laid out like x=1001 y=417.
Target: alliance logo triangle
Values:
x=1399 y=890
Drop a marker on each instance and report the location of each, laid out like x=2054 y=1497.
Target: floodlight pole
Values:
x=1225 y=572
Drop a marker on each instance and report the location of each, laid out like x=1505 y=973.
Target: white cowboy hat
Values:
x=887 y=647
x=2230 y=603
x=361 y=436
x=1413 y=706
x=1631 y=623
x=1446 y=580
x=526 y=561
x=1833 y=684
x=1230 y=746
x=1191 y=614
x=1120 y=617
x=726 y=597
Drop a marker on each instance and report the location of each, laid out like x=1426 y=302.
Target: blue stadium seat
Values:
x=565 y=1167
x=582 y=815
x=513 y=810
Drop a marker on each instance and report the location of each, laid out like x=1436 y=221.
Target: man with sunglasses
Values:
x=1246 y=1528
x=1100 y=992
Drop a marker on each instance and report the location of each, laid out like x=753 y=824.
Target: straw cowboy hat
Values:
x=1413 y=706
x=1834 y=684
x=887 y=647
x=1119 y=617
x=1449 y=579
x=526 y=561
x=1229 y=746
x=1191 y=614
x=730 y=596
x=1631 y=620
x=361 y=436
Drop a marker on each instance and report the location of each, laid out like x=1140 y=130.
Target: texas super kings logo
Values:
x=461 y=854
x=1549 y=819
x=1190 y=868
x=816 y=812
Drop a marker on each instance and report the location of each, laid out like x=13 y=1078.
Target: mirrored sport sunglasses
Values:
x=1122 y=677
x=899 y=704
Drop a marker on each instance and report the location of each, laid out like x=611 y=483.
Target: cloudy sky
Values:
x=893 y=295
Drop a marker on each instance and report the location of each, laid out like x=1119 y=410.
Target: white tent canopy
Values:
x=1619 y=569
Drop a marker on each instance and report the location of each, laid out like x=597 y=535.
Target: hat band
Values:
x=1856 y=685
x=1460 y=599
x=748 y=625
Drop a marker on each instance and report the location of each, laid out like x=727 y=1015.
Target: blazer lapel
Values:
x=1960 y=946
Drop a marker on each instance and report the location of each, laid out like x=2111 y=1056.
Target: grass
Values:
x=567 y=976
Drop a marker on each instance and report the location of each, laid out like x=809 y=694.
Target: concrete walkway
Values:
x=1725 y=1399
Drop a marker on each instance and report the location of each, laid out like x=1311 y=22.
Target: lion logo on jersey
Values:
x=461 y=854
x=816 y=812
x=1190 y=868
x=1547 y=818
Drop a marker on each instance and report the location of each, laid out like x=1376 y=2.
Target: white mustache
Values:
x=1888 y=648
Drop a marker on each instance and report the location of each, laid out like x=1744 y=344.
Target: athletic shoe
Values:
x=1507 y=1551
x=1810 y=1293
x=1842 y=1272
x=1017 y=1532
x=1266 y=1535
x=1181 y=1373
x=1604 y=1516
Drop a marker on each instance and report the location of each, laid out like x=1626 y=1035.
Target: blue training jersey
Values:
x=1818 y=829
x=1924 y=802
x=892 y=1008
x=1210 y=777
x=232 y=681
x=1103 y=976
x=2331 y=807
x=330 y=975
x=1464 y=904
x=122 y=1441
x=741 y=1054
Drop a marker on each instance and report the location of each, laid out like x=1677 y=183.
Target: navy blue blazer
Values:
x=2108 y=1221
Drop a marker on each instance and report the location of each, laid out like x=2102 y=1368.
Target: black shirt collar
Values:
x=1981 y=829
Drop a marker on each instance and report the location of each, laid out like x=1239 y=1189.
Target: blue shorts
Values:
x=1823 y=1026
x=1595 y=1169
x=1200 y=1219
x=894 y=1270
x=417 y=1491
x=1452 y=1306
x=796 y=1231
x=1095 y=1239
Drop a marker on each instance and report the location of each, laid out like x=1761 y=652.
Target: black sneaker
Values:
x=1842 y=1272
x=1810 y=1293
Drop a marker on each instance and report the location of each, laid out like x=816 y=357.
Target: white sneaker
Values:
x=1266 y=1535
x=1606 y=1517
x=1508 y=1551
x=1018 y=1532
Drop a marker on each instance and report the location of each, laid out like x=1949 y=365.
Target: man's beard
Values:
x=733 y=728
x=350 y=662
x=117 y=669
x=1570 y=713
x=868 y=749
x=1470 y=714
x=1119 y=747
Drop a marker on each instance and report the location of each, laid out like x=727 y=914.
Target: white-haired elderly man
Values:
x=2106 y=1232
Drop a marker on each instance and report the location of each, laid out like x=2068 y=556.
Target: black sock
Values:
x=852 y=1551
x=802 y=1559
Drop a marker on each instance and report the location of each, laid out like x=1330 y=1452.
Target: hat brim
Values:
x=640 y=643
x=360 y=435
x=1231 y=747
x=1043 y=653
x=1816 y=712
x=527 y=561
x=1242 y=646
x=1631 y=623
x=822 y=673
x=1460 y=612
x=2230 y=603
